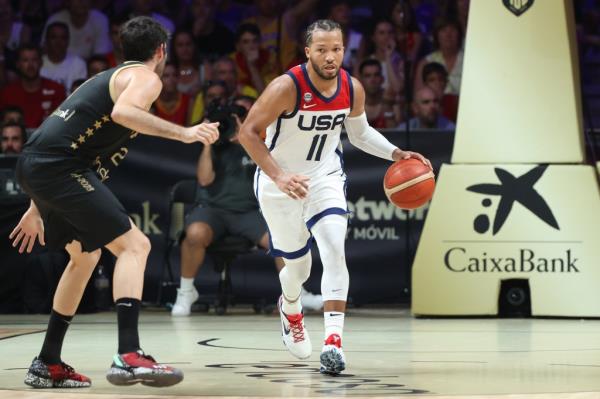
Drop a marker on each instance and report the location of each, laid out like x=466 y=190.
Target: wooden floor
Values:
x=389 y=354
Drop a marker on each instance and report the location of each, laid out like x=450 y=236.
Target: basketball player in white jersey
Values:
x=300 y=182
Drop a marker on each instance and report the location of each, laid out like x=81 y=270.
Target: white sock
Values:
x=187 y=284
x=334 y=323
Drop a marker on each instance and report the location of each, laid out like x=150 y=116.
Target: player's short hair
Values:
x=325 y=25
x=140 y=37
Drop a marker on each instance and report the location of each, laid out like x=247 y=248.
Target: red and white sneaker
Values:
x=42 y=375
x=294 y=334
x=133 y=367
x=333 y=360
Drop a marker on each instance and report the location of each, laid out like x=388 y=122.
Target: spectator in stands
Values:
x=256 y=67
x=435 y=77
x=11 y=113
x=96 y=64
x=57 y=64
x=186 y=59
x=457 y=10
x=214 y=92
x=12 y=34
x=14 y=136
x=231 y=13
x=426 y=110
x=280 y=27
x=115 y=57
x=224 y=70
x=225 y=173
x=448 y=41
x=380 y=105
x=340 y=12
x=381 y=45
x=88 y=28
x=409 y=39
x=146 y=8
x=35 y=95
x=211 y=37
x=172 y=105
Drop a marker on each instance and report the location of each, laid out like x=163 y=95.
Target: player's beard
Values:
x=322 y=75
x=160 y=67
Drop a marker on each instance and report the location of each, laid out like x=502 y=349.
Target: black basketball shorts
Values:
x=73 y=202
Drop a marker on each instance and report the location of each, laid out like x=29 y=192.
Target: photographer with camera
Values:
x=228 y=207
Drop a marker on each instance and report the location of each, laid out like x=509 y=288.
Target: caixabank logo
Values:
x=510 y=254
x=512 y=190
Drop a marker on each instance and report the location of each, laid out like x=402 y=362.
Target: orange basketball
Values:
x=409 y=183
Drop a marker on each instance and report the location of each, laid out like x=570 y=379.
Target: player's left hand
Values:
x=399 y=154
x=29 y=228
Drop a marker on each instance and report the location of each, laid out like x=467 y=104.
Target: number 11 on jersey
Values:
x=319 y=140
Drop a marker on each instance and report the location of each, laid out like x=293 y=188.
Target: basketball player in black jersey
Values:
x=73 y=209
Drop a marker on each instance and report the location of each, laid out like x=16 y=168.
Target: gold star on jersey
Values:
x=90 y=131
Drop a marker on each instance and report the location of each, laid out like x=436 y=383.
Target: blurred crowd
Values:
x=408 y=54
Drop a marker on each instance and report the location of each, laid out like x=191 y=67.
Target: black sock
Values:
x=55 y=335
x=128 y=311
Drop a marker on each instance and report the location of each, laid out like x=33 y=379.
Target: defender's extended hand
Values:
x=206 y=133
x=30 y=226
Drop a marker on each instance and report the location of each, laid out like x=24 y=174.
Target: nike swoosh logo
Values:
x=334 y=314
x=285 y=330
x=128 y=304
x=338 y=290
x=308 y=106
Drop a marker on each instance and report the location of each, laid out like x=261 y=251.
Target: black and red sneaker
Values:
x=42 y=375
x=133 y=367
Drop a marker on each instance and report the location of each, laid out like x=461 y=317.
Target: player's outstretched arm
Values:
x=279 y=97
x=364 y=137
x=135 y=89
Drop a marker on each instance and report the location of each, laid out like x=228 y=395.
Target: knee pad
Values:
x=295 y=273
x=330 y=234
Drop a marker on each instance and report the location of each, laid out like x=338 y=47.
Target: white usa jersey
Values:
x=307 y=140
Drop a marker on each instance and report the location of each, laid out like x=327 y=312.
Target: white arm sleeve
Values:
x=363 y=136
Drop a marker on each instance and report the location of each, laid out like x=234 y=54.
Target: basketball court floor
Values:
x=389 y=354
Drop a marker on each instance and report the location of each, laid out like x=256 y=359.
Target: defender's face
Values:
x=326 y=53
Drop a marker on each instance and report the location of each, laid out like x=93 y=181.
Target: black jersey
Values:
x=81 y=126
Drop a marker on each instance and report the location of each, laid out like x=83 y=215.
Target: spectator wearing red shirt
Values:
x=256 y=66
x=38 y=97
x=172 y=105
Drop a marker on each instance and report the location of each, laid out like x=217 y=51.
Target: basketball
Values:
x=409 y=183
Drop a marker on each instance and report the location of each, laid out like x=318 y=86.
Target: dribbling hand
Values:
x=399 y=154
x=206 y=133
x=294 y=186
x=29 y=228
